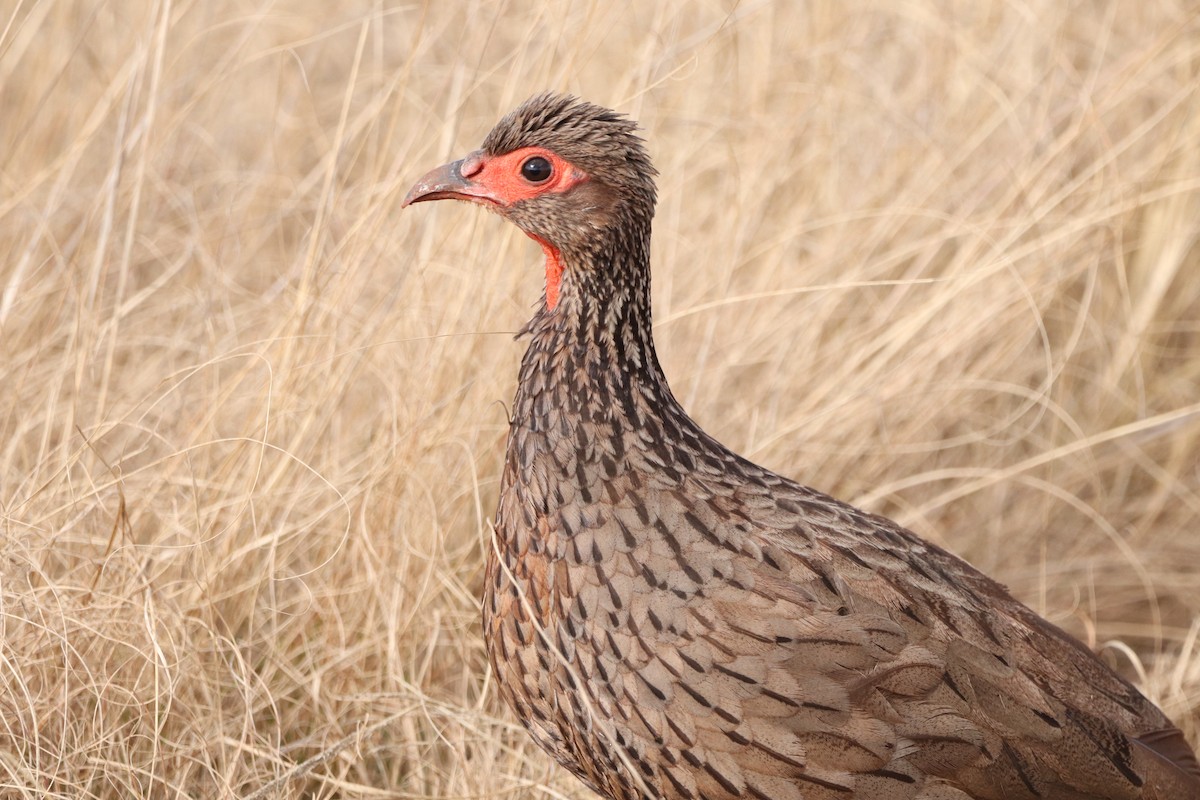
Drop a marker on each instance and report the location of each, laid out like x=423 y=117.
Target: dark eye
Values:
x=536 y=170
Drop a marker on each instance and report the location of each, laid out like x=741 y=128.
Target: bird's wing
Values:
x=772 y=643
x=938 y=674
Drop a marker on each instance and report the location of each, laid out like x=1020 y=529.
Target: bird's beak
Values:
x=453 y=182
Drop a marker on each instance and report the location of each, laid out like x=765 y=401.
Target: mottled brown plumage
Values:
x=671 y=621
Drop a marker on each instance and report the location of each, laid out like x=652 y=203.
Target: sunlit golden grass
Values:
x=940 y=260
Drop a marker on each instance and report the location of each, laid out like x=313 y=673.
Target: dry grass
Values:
x=941 y=260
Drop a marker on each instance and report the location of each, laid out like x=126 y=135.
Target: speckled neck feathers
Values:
x=595 y=349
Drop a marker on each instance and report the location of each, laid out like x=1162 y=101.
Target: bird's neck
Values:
x=592 y=356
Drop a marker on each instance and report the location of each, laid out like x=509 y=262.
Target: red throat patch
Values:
x=554 y=270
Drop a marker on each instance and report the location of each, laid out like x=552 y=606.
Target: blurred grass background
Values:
x=938 y=258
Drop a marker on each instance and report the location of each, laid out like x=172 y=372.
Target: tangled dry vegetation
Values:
x=941 y=260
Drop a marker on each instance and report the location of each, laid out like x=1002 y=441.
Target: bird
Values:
x=671 y=621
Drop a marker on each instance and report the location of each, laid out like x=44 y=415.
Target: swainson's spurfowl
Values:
x=669 y=620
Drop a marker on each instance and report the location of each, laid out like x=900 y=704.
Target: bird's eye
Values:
x=536 y=170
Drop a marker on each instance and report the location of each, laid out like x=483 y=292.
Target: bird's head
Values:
x=568 y=173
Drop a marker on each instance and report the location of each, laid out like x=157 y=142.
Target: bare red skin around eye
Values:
x=501 y=175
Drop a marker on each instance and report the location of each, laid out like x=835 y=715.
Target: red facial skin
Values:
x=497 y=181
